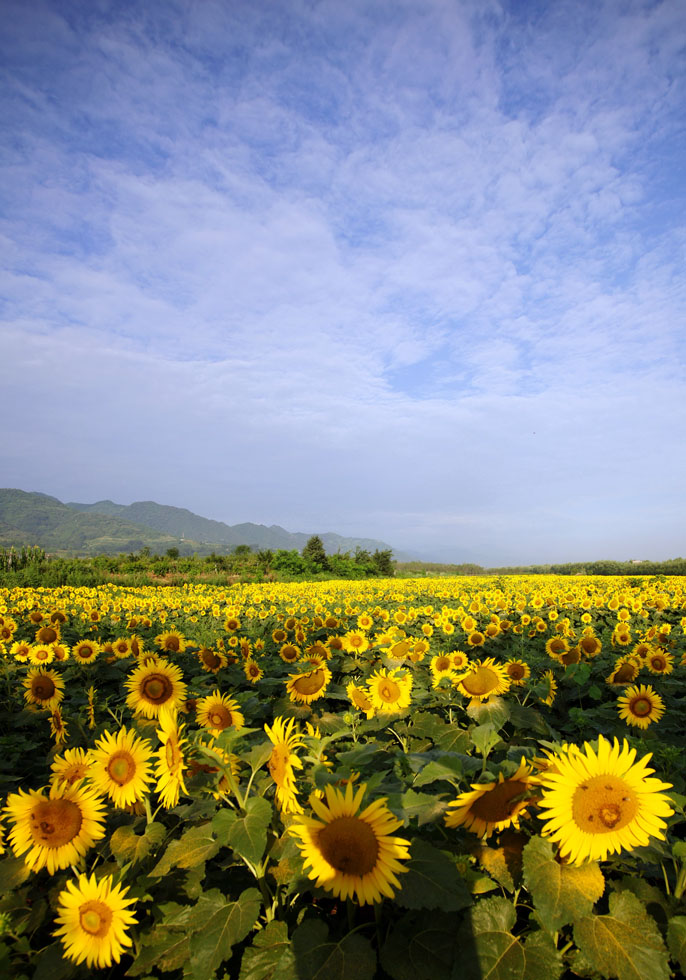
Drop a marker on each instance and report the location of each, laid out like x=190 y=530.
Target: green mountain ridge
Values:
x=33 y=518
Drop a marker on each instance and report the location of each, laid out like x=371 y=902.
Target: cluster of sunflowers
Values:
x=147 y=702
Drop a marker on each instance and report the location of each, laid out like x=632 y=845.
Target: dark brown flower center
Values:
x=349 y=845
x=55 y=822
x=157 y=688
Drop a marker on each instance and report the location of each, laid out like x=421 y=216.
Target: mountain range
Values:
x=108 y=528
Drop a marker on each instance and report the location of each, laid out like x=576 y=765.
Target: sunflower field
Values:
x=420 y=779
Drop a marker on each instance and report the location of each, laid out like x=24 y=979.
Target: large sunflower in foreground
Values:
x=153 y=686
x=389 y=690
x=121 y=766
x=170 y=764
x=640 y=705
x=602 y=801
x=308 y=686
x=93 y=918
x=493 y=806
x=217 y=712
x=283 y=761
x=56 y=830
x=482 y=679
x=351 y=853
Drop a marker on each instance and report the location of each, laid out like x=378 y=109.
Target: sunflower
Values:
x=85 y=652
x=658 y=662
x=518 y=671
x=640 y=706
x=21 y=651
x=360 y=699
x=253 y=671
x=47 y=634
x=41 y=653
x=600 y=802
x=289 y=652
x=551 y=687
x=56 y=830
x=475 y=639
x=283 y=761
x=153 y=686
x=93 y=918
x=556 y=647
x=389 y=690
x=441 y=666
x=58 y=726
x=590 y=646
x=482 y=679
x=44 y=688
x=460 y=659
x=356 y=641
x=217 y=712
x=71 y=767
x=625 y=671
x=121 y=647
x=308 y=686
x=121 y=766
x=493 y=806
x=170 y=765
x=212 y=660
x=349 y=852
x=171 y=642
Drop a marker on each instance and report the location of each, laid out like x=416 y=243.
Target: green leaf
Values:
x=127 y=846
x=561 y=893
x=453 y=740
x=258 y=755
x=317 y=958
x=484 y=738
x=217 y=925
x=422 y=946
x=427 y=725
x=676 y=940
x=270 y=955
x=449 y=767
x=423 y=806
x=165 y=949
x=526 y=719
x=13 y=872
x=191 y=849
x=494 y=712
x=489 y=951
x=432 y=881
x=248 y=835
x=626 y=943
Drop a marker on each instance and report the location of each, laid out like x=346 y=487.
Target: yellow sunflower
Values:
x=551 y=687
x=556 y=647
x=93 y=917
x=44 y=688
x=85 y=652
x=121 y=647
x=482 y=679
x=441 y=666
x=217 y=712
x=590 y=646
x=518 y=671
x=350 y=852
x=658 y=662
x=460 y=659
x=70 y=767
x=283 y=761
x=152 y=686
x=490 y=807
x=121 y=766
x=41 y=654
x=625 y=671
x=171 y=642
x=360 y=699
x=58 y=726
x=600 y=802
x=47 y=634
x=640 y=706
x=56 y=830
x=389 y=690
x=253 y=671
x=289 y=652
x=356 y=641
x=308 y=686
x=212 y=660
x=170 y=765
x=21 y=651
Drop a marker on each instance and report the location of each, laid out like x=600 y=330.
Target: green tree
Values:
x=173 y=552
x=314 y=553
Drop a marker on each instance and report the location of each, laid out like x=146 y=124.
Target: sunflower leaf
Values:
x=248 y=835
x=449 y=767
x=624 y=944
x=270 y=956
x=165 y=949
x=317 y=958
x=676 y=940
x=422 y=946
x=217 y=925
x=561 y=893
x=191 y=849
x=489 y=951
x=432 y=881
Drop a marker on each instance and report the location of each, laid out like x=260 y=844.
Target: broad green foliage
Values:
x=223 y=881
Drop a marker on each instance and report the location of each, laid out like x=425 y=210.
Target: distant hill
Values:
x=107 y=527
x=184 y=523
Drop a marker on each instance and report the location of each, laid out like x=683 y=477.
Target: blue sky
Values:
x=408 y=270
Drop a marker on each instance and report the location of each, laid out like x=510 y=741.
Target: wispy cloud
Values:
x=413 y=271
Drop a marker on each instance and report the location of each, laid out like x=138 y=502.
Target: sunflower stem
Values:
x=148 y=812
x=350 y=909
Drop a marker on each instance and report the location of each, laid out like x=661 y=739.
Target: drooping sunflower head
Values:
x=283 y=760
x=360 y=699
x=390 y=690
x=56 y=830
x=350 y=851
x=170 y=759
x=601 y=801
x=548 y=679
x=625 y=671
x=482 y=679
x=217 y=712
x=492 y=806
x=640 y=706
x=93 y=918
x=308 y=686
x=212 y=660
x=154 y=686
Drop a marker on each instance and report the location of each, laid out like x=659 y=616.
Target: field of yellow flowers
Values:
x=429 y=779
